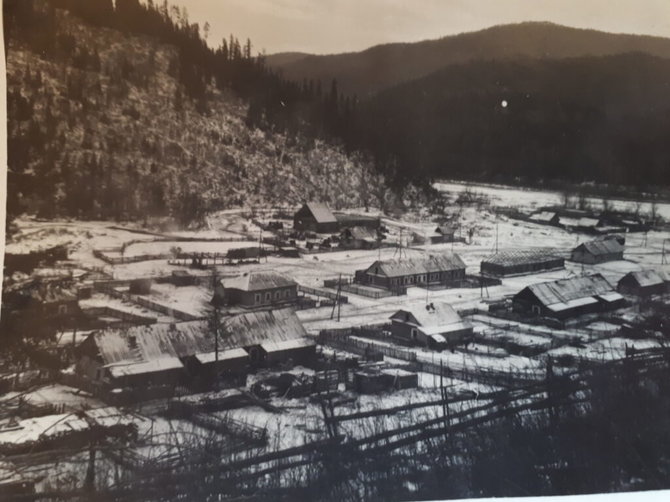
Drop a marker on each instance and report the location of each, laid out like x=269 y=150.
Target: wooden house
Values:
x=546 y=218
x=522 y=262
x=359 y=238
x=315 y=217
x=256 y=289
x=567 y=298
x=597 y=251
x=643 y=283
x=443 y=234
x=432 y=270
x=435 y=326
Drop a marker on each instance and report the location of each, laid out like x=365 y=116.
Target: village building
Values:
x=521 y=262
x=436 y=326
x=187 y=352
x=256 y=289
x=359 y=238
x=598 y=251
x=643 y=283
x=182 y=278
x=443 y=234
x=546 y=218
x=567 y=298
x=315 y=217
x=446 y=269
x=51 y=302
x=27 y=262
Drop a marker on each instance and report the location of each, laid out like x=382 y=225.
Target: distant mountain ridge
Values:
x=367 y=72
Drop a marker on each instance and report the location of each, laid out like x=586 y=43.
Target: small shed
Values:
x=298 y=350
x=546 y=218
x=359 y=238
x=443 y=234
x=597 y=251
x=643 y=283
x=315 y=217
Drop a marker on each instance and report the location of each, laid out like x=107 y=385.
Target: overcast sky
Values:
x=330 y=26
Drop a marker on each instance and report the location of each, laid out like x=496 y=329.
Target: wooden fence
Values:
x=322 y=293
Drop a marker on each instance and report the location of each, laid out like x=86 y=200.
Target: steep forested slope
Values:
x=103 y=127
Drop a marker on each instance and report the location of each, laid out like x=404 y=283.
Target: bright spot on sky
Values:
x=504 y=103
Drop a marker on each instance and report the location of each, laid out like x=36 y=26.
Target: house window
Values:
x=268 y=296
x=62 y=309
x=277 y=295
x=257 y=298
x=535 y=309
x=414 y=334
x=287 y=293
x=98 y=374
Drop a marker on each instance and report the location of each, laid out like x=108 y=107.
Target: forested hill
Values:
x=369 y=71
x=604 y=119
x=121 y=111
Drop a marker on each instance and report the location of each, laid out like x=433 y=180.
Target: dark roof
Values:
x=422 y=265
x=570 y=290
x=320 y=212
x=601 y=247
x=445 y=230
x=258 y=281
x=520 y=257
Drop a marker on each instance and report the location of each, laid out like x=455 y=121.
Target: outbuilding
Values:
x=643 y=283
x=315 y=217
x=597 y=251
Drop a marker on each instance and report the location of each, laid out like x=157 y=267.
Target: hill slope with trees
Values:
x=126 y=113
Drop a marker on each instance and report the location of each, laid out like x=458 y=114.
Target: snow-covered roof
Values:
x=565 y=291
x=520 y=257
x=296 y=343
x=579 y=222
x=645 y=278
x=601 y=247
x=224 y=355
x=362 y=233
x=321 y=212
x=543 y=216
x=433 y=319
x=611 y=297
x=418 y=265
x=143 y=344
x=258 y=281
x=255 y=328
x=154 y=366
x=445 y=230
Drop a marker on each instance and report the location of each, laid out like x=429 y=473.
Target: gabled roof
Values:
x=520 y=257
x=320 y=212
x=601 y=247
x=257 y=281
x=255 y=328
x=418 y=265
x=570 y=291
x=543 y=216
x=579 y=222
x=362 y=233
x=645 y=278
x=445 y=230
x=165 y=342
x=432 y=319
